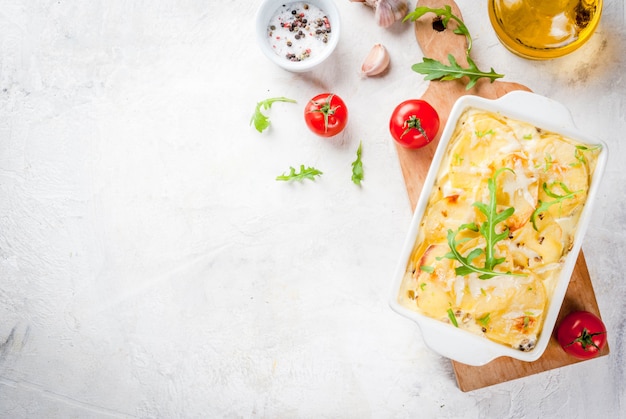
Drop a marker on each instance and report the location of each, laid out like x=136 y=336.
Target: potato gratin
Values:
x=491 y=267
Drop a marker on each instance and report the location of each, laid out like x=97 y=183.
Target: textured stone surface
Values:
x=151 y=266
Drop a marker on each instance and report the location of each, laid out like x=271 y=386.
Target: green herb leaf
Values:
x=428 y=269
x=580 y=156
x=452 y=318
x=261 y=121
x=544 y=206
x=435 y=70
x=305 y=173
x=488 y=230
x=481 y=134
x=548 y=160
x=357 y=166
x=484 y=320
x=446 y=15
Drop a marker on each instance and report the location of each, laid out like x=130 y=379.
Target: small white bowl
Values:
x=267 y=10
x=461 y=345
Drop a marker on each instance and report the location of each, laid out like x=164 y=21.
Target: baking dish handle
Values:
x=544 y=108
x=458 y=345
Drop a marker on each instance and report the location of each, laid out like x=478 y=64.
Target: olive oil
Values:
x=544 y=29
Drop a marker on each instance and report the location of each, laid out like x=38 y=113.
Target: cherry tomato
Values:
x=414 y=123
x=326 y=114
x=582 y=334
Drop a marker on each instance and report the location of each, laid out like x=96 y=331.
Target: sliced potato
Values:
x=542 y=246
x=518 y=188
x=482 y=139
x=433 y=285
x=447 y=213
x=518 y=321
x=507 y=308
x=561 y=169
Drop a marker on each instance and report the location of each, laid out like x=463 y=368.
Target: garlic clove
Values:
x=389 y=11
x=376 y=61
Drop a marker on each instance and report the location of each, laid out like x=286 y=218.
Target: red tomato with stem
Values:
x=414 y=123
x=326 y=114
x=582 y=334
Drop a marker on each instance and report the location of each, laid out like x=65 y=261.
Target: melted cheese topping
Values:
x=543 y=166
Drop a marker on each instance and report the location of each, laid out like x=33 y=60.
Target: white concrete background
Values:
x=151 y=266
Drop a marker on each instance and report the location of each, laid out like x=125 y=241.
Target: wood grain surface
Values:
x=437 y=44
x=579 y=296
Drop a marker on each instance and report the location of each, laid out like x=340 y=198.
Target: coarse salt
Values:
x=298 y=31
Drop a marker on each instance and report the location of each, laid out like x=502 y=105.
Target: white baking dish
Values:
x=461 y=345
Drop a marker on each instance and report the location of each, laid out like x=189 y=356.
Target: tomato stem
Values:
x=586 y=339
x=414 y=123
x=326 y=110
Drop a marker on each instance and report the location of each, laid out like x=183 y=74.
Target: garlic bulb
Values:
x=386 y=12
x=376 y=61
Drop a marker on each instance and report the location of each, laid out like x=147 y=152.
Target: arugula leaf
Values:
x=481 y=134
x=436 y=70
x=357 y=166
x=580 y=156
x=261 y=121
x=452 y=318
x=548 y=162
x=445 y=14
x=544 y=206
x=484 y=320
x=305 y=173
x=488 y=230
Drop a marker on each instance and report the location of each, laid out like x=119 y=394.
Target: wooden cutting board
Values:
x=436 y=43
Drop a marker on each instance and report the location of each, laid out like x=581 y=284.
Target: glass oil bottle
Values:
x=544 y=29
